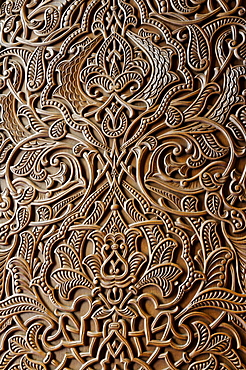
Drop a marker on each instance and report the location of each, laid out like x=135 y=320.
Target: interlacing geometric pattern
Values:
x=123 y=185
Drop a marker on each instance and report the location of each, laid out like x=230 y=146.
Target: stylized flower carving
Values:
x=117 y=263
x=113 y=68
x=122 y=207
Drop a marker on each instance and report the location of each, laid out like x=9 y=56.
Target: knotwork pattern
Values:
x=122 y=185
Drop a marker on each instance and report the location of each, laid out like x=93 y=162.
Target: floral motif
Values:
x=122 y=192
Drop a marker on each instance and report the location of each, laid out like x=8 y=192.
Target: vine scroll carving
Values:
x=123 y=185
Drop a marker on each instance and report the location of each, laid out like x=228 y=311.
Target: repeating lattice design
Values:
x=123 y=175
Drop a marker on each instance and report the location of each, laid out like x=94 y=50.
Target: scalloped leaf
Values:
x=162 y=276
x=220 y=298
x=44 y=213
x=25 y=165
x=76 y=239
x=210 y=364
x=18 y=345
x=136 y=260
x=174 y=117
x=32 y=336
x=200 y=102
x=210 y=146
x=26 y=246
x=210 y=238
x=163 y=252
x=36 y=70
x=3 y=262
x=6 y=359
x=22 y=217
x=21 y=274
x=94 y=263
x=20 y=303
x=27 y=196
x=203 y=334
x=216 y=267
x=58 y=129
x=70 y=279
x=51 y=19
x=27 y=363
x=198 y=51
x=34 y=121
x=68 y=257
x=189 y=203
x=213 y=203
x=219 y=343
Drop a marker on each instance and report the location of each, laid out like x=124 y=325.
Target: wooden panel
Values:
x=122 y=185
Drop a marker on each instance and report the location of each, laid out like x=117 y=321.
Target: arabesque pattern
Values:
x=123 y=185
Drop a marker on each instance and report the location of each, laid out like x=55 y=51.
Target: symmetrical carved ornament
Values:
x=122 y=185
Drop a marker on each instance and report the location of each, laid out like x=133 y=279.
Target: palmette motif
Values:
x=123 y=185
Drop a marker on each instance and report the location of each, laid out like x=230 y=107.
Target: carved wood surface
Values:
x=122 y=185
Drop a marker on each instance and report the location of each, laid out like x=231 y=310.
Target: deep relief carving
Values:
x=122 y=190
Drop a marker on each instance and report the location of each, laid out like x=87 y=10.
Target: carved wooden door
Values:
x=122 y=185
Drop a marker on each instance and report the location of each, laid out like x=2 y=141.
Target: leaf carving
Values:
x=94 y=263
x=189 y=203
x=219 y=343
x=32 y=336
x=213 y=204
x=135 y=262
x=29 y=364
x=239 y=247
x=18 y=345
x=163 y=252
x=70 y=279
x=6 y=359
x=209 y=364
x=18 y=304
x=198 y=52
x=21 y=274
x=26 y=163
x=5 y=323
x=162 y=276
x=199 y=104
x=209 y=237
x=174 y=117
x=52 y=17
x=58 y=129
x=220 y=298
x=36 y=70
x=68 y=257
x=26 y=246
x=35 y=122
x=9 y=24
x=210 y=146
x=216 y=268
x=22 y=217
x=203 y=333
x=3 y=262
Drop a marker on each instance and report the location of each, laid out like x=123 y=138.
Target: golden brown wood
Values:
x=123 y=174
